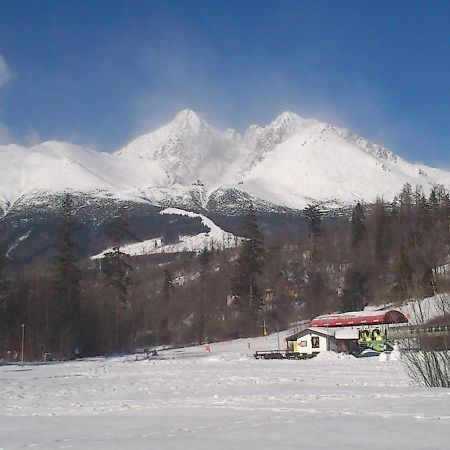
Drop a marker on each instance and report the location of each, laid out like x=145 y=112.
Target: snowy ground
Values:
x=220 y=400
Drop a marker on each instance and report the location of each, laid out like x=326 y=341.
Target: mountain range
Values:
x=204 y=177
x=192 y=165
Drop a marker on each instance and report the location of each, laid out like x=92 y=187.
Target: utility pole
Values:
x=278 y=337
x=23 y=342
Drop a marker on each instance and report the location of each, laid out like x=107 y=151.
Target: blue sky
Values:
x=101 y=72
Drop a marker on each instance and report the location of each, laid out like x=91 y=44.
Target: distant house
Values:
x=312 y=340
x=347 y=332
x=315 y=340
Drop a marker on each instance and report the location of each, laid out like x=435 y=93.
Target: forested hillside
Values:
x=378 y=253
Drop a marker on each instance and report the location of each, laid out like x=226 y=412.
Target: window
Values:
x=303 y=343
x=315 y=342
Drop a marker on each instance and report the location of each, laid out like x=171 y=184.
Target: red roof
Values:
x=358 y=318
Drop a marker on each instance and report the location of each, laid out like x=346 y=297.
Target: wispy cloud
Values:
x=6 y=136
x=5 y=72
x=32 y=137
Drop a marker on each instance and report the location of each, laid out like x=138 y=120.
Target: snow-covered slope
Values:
x=321 y=162
x=215 y=238
x=57 y=167
x=290 y=162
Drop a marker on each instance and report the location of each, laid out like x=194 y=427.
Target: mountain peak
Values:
x=186 y=113
x=279 y=130
x=188 y=118
x=288 y=117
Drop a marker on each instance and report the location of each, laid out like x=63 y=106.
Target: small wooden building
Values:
x=312 y=340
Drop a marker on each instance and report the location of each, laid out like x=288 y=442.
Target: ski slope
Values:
x=225 y=399
x=215 y=238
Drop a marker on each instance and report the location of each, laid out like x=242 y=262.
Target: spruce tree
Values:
x=6 y=324
x=380 y=218
x=117 y=268
x=116 y=264
x=358 y=224
x=66 y=282
x=421 y=215
x=249 y=266
x=313 y=216
x=433 y=200
x=204 y=259
x=406 y=221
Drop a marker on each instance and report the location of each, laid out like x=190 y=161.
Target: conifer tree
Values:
x=66 y=282
x=421 y=215
x=5 y=298
x=394 y=208
x=380 y=233
x=405 y=198
x=116 y=267
x=313 y=216
x=116 y=264
x=358 y=224
x=441 y=219
x=249 y=266
x=406 y=202
x=433 y=201
x=204 y=260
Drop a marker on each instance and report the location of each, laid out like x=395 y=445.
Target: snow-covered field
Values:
x=225 y=399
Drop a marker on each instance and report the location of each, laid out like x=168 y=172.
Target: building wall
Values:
x=308 y=348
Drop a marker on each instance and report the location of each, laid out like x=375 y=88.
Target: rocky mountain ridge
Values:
x=187 y=163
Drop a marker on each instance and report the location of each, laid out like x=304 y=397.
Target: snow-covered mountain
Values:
x=54 y=167
x=189 y=163
x=319 y=162
x=191 y=150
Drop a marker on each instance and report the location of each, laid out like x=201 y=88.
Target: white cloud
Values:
x=5 y=72
x=6 y=135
